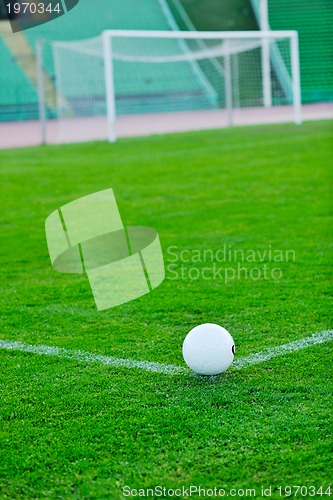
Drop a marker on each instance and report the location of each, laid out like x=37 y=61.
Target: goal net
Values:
x=144 y=72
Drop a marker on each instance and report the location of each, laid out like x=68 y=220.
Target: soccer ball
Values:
x=208 y=349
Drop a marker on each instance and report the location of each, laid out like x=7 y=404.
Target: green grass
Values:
x=71 y=430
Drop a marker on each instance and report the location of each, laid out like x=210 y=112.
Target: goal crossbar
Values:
x=206 y=35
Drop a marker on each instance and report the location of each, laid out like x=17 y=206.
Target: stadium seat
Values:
x=18 y=96
x=313 y=21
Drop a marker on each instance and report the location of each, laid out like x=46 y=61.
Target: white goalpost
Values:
x=127 y=72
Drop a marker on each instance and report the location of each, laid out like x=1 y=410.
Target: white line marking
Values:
x=273 y=352
x=89 y=357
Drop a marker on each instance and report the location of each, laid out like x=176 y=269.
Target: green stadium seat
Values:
x=18 y=96
x=313 y=21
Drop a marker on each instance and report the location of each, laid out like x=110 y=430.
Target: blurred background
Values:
x=18 y=72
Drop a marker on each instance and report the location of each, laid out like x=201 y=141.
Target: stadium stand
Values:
x=313 y=21
x=148 y=14
x=18 y=95
x=215 y=15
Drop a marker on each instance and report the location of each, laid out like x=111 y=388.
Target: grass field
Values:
x=74 y=430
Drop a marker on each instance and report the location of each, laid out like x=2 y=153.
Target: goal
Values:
x=125 y=72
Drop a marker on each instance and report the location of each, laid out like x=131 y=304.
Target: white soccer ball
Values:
x=208 y=349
